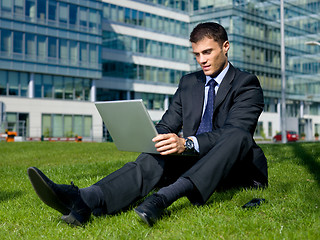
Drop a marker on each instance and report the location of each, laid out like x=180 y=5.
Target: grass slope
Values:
x=291 y=210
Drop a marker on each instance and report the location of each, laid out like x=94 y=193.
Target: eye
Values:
x=207 y=52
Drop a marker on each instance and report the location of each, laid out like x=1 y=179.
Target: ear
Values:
x=226 y=46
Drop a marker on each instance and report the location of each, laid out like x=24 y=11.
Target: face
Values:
x=211 y=56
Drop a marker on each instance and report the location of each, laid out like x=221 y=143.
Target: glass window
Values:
x=134 y=16
x=6 y=5
x=160 y=23
x=83 y=54
x=57 y=126
x=24 y=82
x=134 y=44
x=12 y=121
x=3 y=82
x=63 y=13
x=86 y=88
x=68 y=87
x=78 y=125
x=78 y=88
x=127 y=15
x=52 y=47
x=68 y=126
x=73 y=13
x=37 y=86
x=46 y=125
x=47 y=86
x=87 y=126
x=148 y=47
x=154 y=22
x=30 y=46
x=63 y=51
x=58 y=87
x=30 y=9
x=141 y=45
x=166 y=24
x=52 y=10
x=140 y=72
x=93 y=20
x=41 y=8
x=83 y=17
x=171 y=26
x=141 y=21
x=18 y=7
x=73 y=52
x=41 y=48
x=5 y=41
x=147 y=73
x=106 y=10
x=120 y=14
x=113 y=13
x=17 y=42
x=148 y=22
x=93 y=56
x=13 y=80
x=161 y=75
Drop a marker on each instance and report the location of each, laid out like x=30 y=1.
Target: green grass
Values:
x=291 y=211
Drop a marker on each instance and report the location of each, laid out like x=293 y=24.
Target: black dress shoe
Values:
x=152 y=208
x=63 y=198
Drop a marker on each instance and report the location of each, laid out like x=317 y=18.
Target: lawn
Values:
x=291 y=210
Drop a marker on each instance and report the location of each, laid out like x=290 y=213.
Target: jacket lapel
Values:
x=224 y=87
x=198 y=98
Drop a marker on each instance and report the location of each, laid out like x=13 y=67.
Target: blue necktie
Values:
x=206 y=121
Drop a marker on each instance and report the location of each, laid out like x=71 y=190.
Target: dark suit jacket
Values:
x=238 y=103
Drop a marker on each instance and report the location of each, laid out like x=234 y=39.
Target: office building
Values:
x=49 y=62
x=58 y=57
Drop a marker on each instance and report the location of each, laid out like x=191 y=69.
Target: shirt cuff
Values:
x=195 y=143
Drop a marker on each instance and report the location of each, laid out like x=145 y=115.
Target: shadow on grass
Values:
x=308 y=160
x=8 y=195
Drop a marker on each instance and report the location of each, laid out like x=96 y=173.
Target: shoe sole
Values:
x=45 y=193
x=71 y=219
x=144 y=217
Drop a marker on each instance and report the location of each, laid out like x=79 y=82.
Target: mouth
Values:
x=206 y=67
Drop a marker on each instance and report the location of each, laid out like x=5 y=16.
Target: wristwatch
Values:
x=189 y=146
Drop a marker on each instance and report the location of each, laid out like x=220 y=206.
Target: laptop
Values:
x=129 y=125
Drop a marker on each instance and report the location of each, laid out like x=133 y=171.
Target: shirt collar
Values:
x=220 y=77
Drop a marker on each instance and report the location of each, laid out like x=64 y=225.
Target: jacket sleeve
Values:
x=241 y=109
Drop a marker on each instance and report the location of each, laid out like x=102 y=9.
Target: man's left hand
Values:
x=169 y=143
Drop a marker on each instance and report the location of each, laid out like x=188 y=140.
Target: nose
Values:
x=202 y=58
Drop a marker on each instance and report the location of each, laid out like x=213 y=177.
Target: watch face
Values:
x=189 y=144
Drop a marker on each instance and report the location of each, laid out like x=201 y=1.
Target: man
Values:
x=217 y=108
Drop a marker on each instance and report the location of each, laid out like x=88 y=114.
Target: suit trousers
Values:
x=227 y=164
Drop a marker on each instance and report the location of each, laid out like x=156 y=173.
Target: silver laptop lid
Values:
x=129 y=124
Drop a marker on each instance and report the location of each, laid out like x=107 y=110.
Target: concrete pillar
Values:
x=301 y=109
x=93 y=91
x=31 y=86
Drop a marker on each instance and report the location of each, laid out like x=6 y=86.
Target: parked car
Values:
x=292 y=136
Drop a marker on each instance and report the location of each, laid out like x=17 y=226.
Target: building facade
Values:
x=49 y=62
x=58 y=57
x=254 y=33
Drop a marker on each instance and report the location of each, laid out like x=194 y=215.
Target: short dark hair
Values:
x=210 y=30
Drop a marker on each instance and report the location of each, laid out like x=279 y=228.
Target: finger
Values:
x=164 y=147
x=159 y=137
x=171 y=151
x=164 y=143
x=162 y=137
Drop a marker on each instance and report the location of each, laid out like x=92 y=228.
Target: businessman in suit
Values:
x=217 y=109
